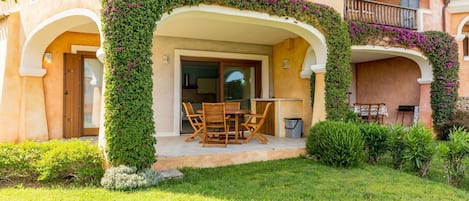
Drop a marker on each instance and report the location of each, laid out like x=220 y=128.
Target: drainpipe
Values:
x=443 y=12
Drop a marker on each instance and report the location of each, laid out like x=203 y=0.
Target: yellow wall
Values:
x=457 y=19
x=390 y=81
x=11 y=95
x=338 y=5
x=53 y=80
x=287 y=81
x=32 y=14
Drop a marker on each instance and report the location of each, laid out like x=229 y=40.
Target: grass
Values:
x=289 y=179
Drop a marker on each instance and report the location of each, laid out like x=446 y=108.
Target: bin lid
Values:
x=292 y=118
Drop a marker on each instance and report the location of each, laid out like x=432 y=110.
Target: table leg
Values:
x=236 y=128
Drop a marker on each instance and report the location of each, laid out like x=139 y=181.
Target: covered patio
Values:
x=173 y=152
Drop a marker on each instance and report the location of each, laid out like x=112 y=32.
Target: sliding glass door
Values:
x=239 y=83
x=218 y=80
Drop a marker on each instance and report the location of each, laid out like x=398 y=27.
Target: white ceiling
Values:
x=360 y=56
x=86 y=28
x=208 y=27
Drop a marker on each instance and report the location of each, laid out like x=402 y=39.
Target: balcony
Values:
x=374 y=12
x=8 y=6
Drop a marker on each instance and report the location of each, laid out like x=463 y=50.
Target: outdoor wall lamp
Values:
x=47 y=57
x=165 y=59
x=286 y=63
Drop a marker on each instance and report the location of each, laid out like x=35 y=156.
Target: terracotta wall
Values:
x=432 y=19
x=456 y=20
x=390 y=81
x=287 y=81
x=53 y=80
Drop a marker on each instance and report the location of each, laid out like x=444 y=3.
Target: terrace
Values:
x=174 y=152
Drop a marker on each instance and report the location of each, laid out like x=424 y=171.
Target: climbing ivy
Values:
x=128 y=30
x=441 y=50
x=128 y=122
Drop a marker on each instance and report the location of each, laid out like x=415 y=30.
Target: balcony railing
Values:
x=381 y=13
x=8 y=6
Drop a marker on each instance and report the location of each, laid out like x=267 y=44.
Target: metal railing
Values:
x=381 y=13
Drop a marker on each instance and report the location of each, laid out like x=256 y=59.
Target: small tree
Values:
x=453 y=154
x=375 y=137
x=396 y=145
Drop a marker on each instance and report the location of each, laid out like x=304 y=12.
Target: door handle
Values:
x=66 y=92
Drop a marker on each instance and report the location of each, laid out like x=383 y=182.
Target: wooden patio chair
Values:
x=232 y=106
x=215 y=129
x=254 y=123
x=194 y=119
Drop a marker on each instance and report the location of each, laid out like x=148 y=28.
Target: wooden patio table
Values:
x=236 y=114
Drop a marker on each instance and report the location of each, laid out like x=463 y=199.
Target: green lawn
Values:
x=291 y=179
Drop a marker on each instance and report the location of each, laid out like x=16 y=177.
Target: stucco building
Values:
x=51 y=63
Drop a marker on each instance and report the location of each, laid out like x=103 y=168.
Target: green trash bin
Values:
x=294 y=127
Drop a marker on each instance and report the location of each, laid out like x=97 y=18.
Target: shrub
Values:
x=351 y=116
x=453 y=154
x=127 y=178
x=71 y=161
x=335 y=143
x=74 y=160
x=419 y=148
x=375 y=137
x=16 y=161
x=460 y=118
x=396 y=145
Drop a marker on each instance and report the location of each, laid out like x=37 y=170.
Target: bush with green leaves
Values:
x=125 y=178
x=16 y=161
x=53 y=161
x=74 y=160
x=420 y=148
x=460 y=118
x=453 y=154
x=375 y=137
x=396 y=145
x=336 y=143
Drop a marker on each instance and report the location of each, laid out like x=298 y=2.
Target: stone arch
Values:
x=425 y=67
x=459 y=35
x=313 y=36
x=316 y=40
x=46 y=32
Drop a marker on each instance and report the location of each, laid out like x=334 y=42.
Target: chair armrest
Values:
x=194 y=115
x=255 y=115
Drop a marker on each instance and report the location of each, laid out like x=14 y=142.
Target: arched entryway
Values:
x=43 y=71
x=280 y=44
x=396 y=77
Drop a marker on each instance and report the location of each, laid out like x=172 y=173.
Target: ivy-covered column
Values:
x=128 y=122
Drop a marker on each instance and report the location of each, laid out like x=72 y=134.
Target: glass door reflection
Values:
x=92 y=86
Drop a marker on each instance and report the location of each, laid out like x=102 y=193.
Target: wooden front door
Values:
x=83 y=75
